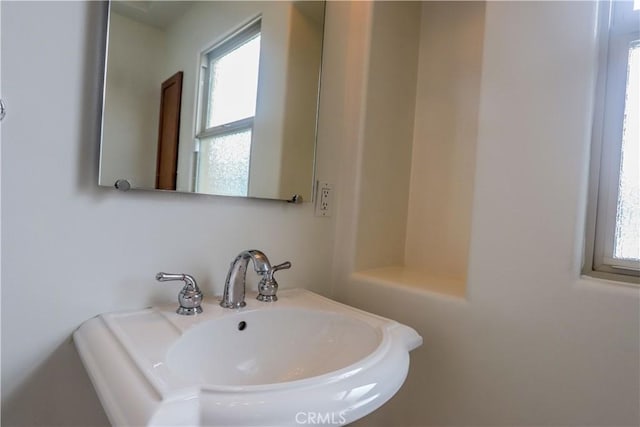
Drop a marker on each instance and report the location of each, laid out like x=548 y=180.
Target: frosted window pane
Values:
x=627 y=236
x=234 y=84
x=223 y=164
x=636 y=4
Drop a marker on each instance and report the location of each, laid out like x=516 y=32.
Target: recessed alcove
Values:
x=419 y=141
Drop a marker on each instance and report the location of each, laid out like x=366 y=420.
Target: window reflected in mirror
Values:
x=229 y=93
x=214 y=97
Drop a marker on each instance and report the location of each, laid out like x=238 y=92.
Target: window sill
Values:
x=611 y=278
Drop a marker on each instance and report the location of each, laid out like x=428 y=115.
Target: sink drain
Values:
x=242 y=325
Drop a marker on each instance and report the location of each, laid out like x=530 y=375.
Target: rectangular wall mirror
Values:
x=212 y=97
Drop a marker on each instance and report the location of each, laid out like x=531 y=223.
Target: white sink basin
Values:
x=276 y=346
x=303 y=358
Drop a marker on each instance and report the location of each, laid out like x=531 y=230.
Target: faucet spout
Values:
x=234 y=285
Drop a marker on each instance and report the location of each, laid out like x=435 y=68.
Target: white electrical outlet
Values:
x=324 y=199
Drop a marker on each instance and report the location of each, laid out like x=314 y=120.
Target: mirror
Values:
x=213 y=97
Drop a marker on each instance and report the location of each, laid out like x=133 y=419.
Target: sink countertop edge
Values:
x=94 y=333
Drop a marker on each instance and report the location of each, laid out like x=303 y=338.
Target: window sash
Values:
x=620 y=25
x=232 y=42
x=611 y=149
x=227 y=128
x=219 y=131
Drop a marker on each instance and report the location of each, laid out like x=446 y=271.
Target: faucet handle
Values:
x=284 y=266
x=189 y=297
x=268 y=286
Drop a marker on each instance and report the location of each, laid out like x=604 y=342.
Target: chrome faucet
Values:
x=234 y=285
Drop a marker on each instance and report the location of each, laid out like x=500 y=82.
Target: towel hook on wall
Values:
x=3 y=110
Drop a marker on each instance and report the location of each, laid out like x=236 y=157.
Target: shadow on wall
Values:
x=58 y=384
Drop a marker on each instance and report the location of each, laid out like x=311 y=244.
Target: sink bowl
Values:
x=300 y=360
x=271 y=346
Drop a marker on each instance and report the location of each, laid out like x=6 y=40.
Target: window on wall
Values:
x=616 y=247
x=229 y=87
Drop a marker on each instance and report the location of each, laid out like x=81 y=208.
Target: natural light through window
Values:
x=227 y=110
x=224 y=164
x=627 y=235
x=614 y=206
x=234 y=84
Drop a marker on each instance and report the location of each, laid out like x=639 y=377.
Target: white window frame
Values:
x=619 y=25
x=230 y=43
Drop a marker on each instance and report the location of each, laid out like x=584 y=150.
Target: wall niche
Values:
x=419 y=144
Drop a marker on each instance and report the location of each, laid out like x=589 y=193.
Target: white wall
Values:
x=134 y=76
x=72 y=250
x=532 y=343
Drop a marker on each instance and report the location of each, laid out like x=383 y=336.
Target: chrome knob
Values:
x=190 y=297
x=268 y=286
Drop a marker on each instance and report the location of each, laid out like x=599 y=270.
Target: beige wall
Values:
x=420 y=132
x=388 y=135
x=445 y=135
x=531 y=343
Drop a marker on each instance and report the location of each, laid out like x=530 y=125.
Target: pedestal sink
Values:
x=302 y=360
